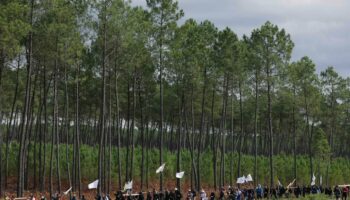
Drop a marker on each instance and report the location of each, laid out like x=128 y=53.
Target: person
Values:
x=119 y=195
x=167 y=195
x=172 y=195
x=42 y=197
x=140 y=197
x=259 y=192
x=7 y=196
x=98 y=197
x=212 y=196
x=314 y=189
x=222 y=194
x=82 y=197
x=231 y=194
x=74 y=197
x=54 y=197
x=297 y=191
x=155 y=195
x=345 y=193
x=178 y=194
x=238 y=194
x=190 y=195
x=337 y=192
x=328 y=191
x=32 y=197
x=194 y=193
x=203 y=195
x=266 y=192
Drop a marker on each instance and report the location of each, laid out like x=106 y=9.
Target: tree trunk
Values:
x=22 y=132
x=201 y=129
x=9 y=133
x=269 y=110
x=103 y=100
x=256 y=114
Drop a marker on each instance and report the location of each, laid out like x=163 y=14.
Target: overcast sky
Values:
x=320 y=29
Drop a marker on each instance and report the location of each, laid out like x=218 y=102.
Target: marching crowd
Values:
x=229 y=193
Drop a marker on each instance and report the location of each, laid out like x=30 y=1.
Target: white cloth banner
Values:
x=241 y=180
x=93 y=185
x=180 y=174
x=290 y=184
x=313 y=182
x=160 y=169
x=66 y=192
x=279 y=183
x=249 y=178
x=128 y=186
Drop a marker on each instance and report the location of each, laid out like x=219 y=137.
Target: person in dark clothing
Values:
x=337 y=192
x=98 y=197
x=304 y=191
x=274 y=192
x=140 y=196
x=167 y=196
x=194 y=193
x=297 y=191
x=119 y=195
x=328 y=191
x=281 y=191
x=74 y=197
x=231 y=194
x=149 y=196
x=82 y=197
x=259 y=192
x=172 y=195
x=266 y=192
x=178 y=194
x=155 y=195
x=222 y=194
x=313 y=189
x=212 y=196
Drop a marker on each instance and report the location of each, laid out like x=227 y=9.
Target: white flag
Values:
x=279 y=183
x=249 y=178
x=160 y=169
x=66 y=192
x=128 y=185
x=313 y=182
x=290 y=184
x=93 y=185
x=180 y=174
x=241 y=180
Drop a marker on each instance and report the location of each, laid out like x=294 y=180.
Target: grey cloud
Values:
x=319 y=28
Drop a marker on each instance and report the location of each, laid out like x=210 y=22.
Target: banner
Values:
x=160 y=169
x=93 y=185
x=249 y=178
x=279 y=183
x=128 y=185
x=313 y=182
x=290 y=184
x=241 y=180
x=180 y=174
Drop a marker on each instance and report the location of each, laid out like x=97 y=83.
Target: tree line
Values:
x=110 y=75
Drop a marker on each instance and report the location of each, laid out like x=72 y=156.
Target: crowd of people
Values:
x=229 y=193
